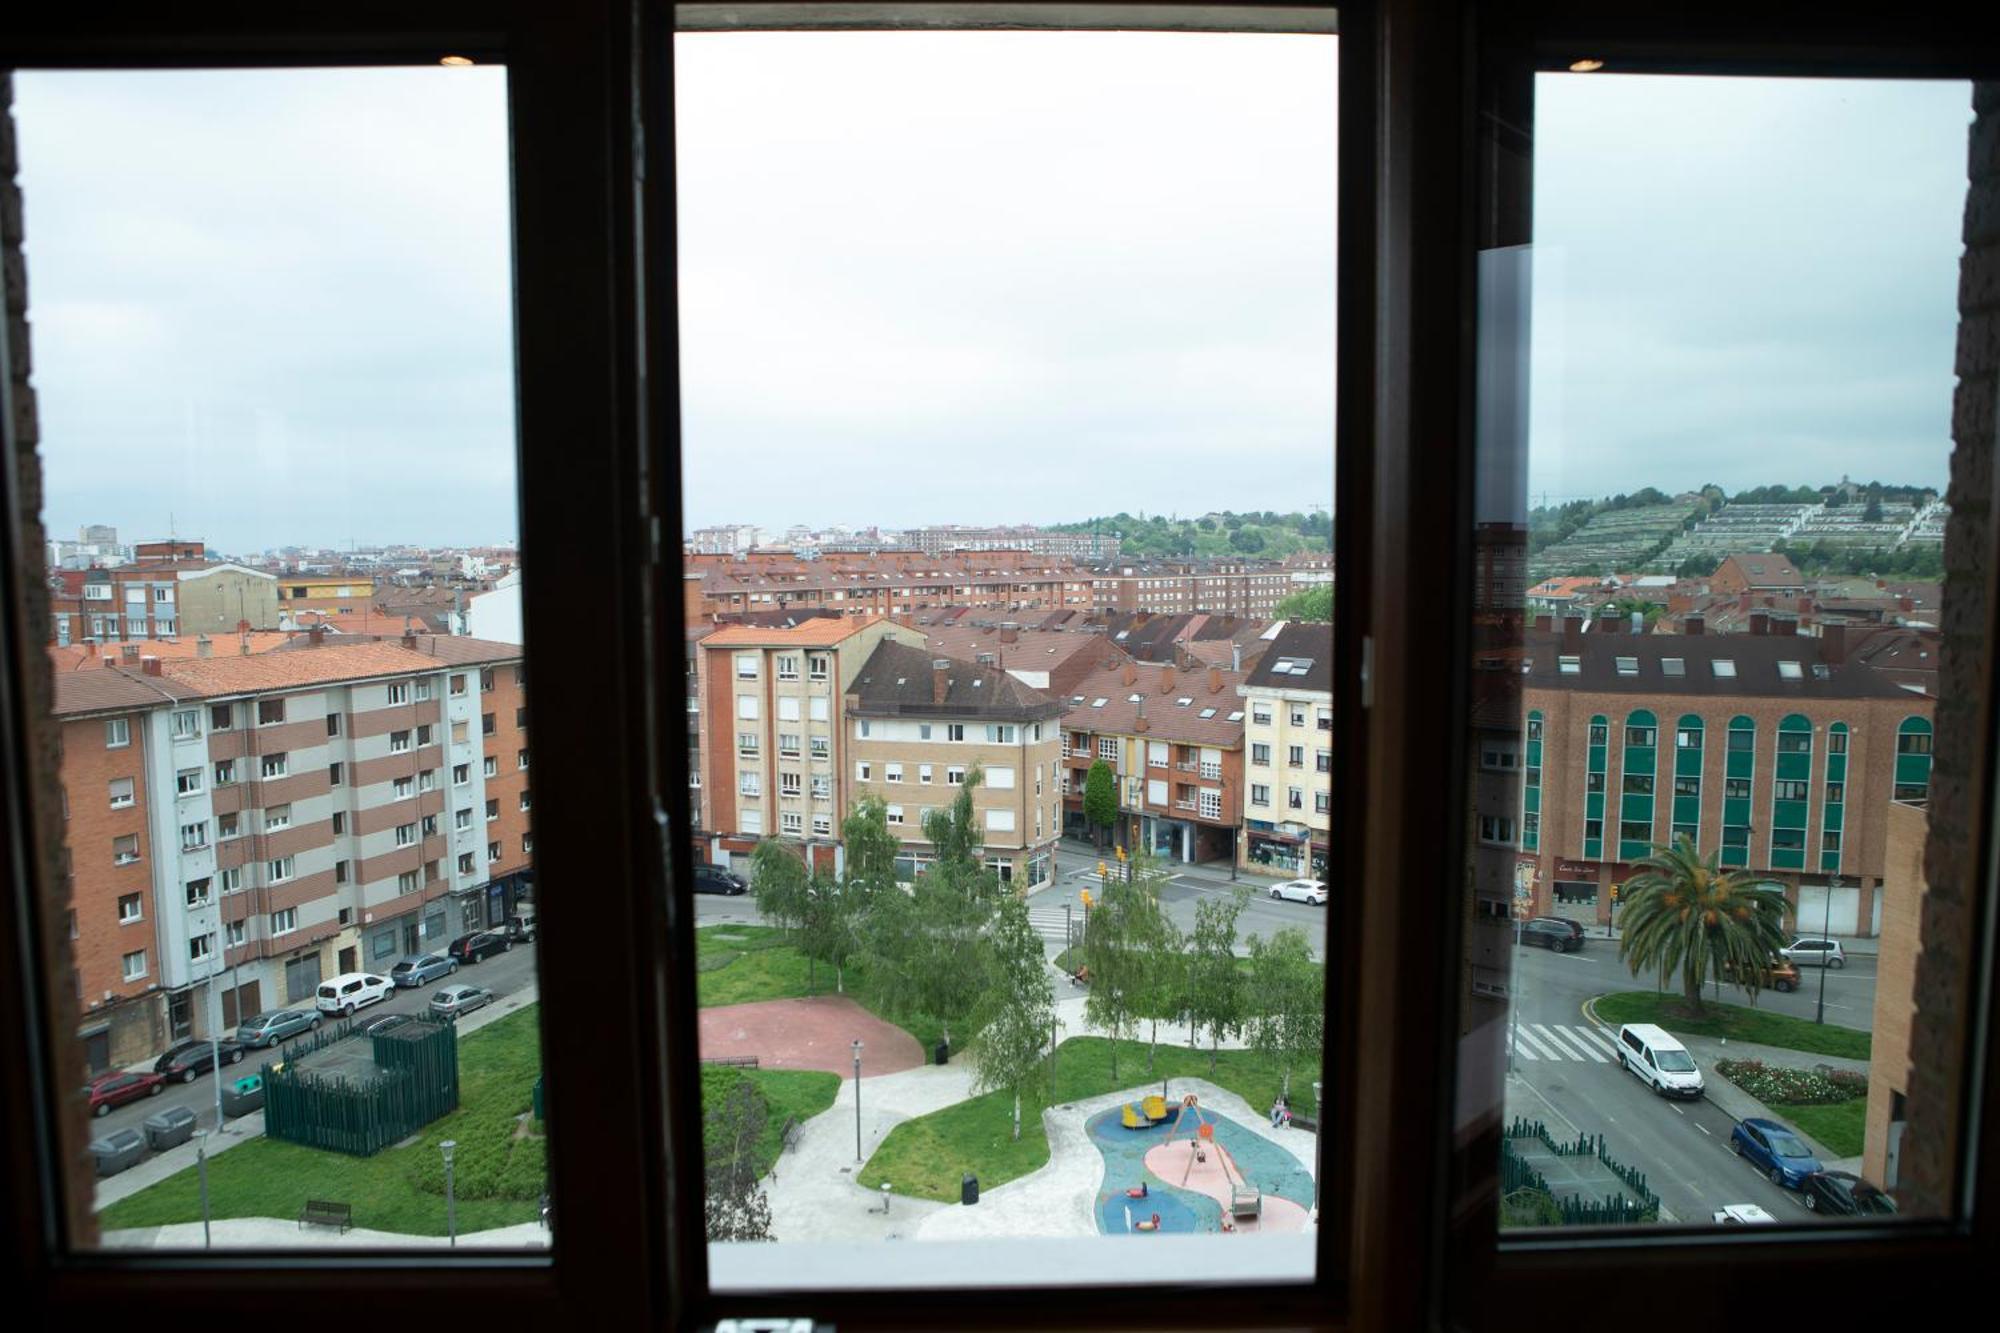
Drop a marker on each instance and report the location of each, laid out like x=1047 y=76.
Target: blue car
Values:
x=420 y=969
x=1775 y=1150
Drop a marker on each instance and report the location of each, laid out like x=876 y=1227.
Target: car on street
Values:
x=185 y=1059
x=1651 y=1054
x=478 y=946
x=382 y=1023
x=1742 y=1214
x=1781 y=974
x=1556 y=933
x=454 y=1001
x=1842 y=1193
x=714 y=879
x=117 y=1089
x=1775 y=1150
x=352 y=990
x=1811 y=951
x=521 y=925
x=268 y=1029
x=419 y=969
x=1300 y=891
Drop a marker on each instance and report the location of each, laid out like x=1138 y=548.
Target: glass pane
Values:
x=1011 y=673
x=1717 y=453
x=271 y=313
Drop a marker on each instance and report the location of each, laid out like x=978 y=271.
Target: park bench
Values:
x=321 y=1212
x=733 y=1061
x=1304 y=1122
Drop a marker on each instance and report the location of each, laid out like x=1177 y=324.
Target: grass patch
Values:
x=1735 y=1022
x=781 y=1094
x=497 y=1177
x=1841 y=1128
x=745 y=964
x=927 y=1156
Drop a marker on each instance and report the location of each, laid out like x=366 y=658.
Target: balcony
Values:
x=1184 y=805
x=1189 y=766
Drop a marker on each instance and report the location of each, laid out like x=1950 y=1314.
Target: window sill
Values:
x=1067 y=1261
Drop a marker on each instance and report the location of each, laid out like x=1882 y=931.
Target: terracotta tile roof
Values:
x=115 y=690
x=1168 y=719
x=816 y=633
x=82 y=657
x=331 y=664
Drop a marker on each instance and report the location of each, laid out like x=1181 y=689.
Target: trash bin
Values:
x=943 y=1052
x=244 y=1096
x=118 y=1150
x=968 y=1189
x=170 y=1128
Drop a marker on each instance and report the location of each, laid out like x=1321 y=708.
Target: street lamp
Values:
x=857 y=1101
x=1825 y=932
x=1513 y=997
x=450 y=1201
x=1319 y=1114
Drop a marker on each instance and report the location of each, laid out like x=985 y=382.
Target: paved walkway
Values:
x=270 y=1233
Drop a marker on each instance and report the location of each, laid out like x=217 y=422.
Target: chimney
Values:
x=409 y=639
x=1833 y=642
x=1215 y=680
x=1166 y=680
x=150 y=665
x=1608 y=624
x=1784 y=625
x=1760 y=622
x=940 y=678
x=1139 y=723
x=1694 y=623
x=202 y=647
x=110 y=661
x=316 y=636
x=1743 y=600
x=1572 y=634
x=1131 y=676
x=1906 y=603
x=1542 y=623
x=1010 y=633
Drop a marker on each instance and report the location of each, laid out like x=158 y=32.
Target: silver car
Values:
x=420 y=969
x=272 y=1028
x=453 y=1001
x=1816 y=951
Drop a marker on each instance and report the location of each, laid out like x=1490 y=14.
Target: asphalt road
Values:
x=502 y=974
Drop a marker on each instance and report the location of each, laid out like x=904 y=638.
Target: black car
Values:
x=382 y=1023
x=1842 y=1193
x=714 y=879
x=1552 y=932
x=185 y=1059
x=478 y=946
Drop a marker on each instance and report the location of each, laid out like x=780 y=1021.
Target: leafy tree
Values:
x=1287 y=1001
x=1121 y=936
x=1215 y=983
x=1683 y=913
x=733 y=1116
x=1100 y=799
x=1017 y=1012
x=871 y=850
x=1248 y=540
x=782 y=887
x=1314 y=603
x=1873 y=513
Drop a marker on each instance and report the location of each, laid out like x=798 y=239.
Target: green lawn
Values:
x=743 y=964
x=497 y=1176
x=797 y=1094
x=1735 y=1022
x=926 y=1157
x=1840 y=1127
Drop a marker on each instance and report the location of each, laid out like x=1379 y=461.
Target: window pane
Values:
x=1716 y=436
x=1018 y=657
x=272 y=323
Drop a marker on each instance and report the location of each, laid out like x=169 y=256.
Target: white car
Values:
x=1742 y=1214
x=1810 y=951
x=1300 y=891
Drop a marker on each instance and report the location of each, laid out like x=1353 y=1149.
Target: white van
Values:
x=353 y=990
x=1659 y=1061
x=521 y=925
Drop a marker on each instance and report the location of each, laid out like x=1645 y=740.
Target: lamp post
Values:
x=1319 y=1114
x=1513 y=999
x=857 y=1101
x=450 y=1201
x=1825 y=932
x=201 y=1166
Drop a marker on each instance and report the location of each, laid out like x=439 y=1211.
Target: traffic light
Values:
x=1614 y=893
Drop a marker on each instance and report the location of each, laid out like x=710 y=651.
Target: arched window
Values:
x=1913 y=761
x=1531 y=785
x=1639 y=776
x=1739 y=767
x=1791 y=792
x=1689 y=735
x=1593 y=788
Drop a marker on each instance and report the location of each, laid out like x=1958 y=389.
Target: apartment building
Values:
x=1779 y=752
x=105 y=605
x=242 y=826
x=1288 y=731
x=774 y=748
x=1228 y=587
x=338 y=595
x=917 y=724
x=945 y=537
x=1175 y=743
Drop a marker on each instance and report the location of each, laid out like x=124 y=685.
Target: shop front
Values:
x=1281 y=850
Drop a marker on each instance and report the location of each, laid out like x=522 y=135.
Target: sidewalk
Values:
x=1740 y=1105
x=1866 y=946
x=271 y=1233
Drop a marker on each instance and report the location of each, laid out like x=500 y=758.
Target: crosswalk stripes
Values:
x=1553 y=1041
x=1051 y=923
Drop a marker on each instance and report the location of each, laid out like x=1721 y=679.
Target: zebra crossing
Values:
x=1554 y=1041
x=1051 y=923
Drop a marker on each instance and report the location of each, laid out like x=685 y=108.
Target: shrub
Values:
x=1781 y=1085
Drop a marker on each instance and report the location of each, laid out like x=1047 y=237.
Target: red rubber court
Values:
x=815 y=1033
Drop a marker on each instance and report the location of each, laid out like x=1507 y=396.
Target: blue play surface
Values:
x=1267 y=1166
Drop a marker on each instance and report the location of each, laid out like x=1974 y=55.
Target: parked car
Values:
x=1844 y=1193
x=269 y=1029
x=1556 y=933
x=453 y=1001
x=1775 y=1150
x=185 y=1059
x=117 y=1089
x=1300 y=891
x=420 y=969
x=714 y=879
x=478 y=946
x=1742 y=1214
x=1780 y=974
x=1809 y=951
x=352 y=990
x=521 y=925
x=382 y=1023
x=1652 y=1056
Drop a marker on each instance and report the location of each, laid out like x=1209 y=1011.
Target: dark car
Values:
x=185 y=1059
x=1552 y=932
x=1775 y=1150
x=382 y=1023
x=1844 y=1193
x=714 y=879
x=117 y=1089
x=478 y=946
x=271 y=1028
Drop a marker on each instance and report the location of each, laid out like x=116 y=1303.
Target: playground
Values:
x=813 y=1033
x=1177 y=1166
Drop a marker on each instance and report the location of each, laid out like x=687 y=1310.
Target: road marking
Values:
x=1703 y=1128
x=1575 y=958
x=1677 y=1109
x=1563 y=1041
x=1526 y=1039
x=1597 y=1034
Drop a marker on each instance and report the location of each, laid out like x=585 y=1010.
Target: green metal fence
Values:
x=411 y=1081
x=1612 y=1210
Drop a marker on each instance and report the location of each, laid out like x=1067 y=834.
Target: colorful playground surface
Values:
x=1200 y=1172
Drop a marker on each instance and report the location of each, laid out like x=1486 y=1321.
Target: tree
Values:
x=1873 y=512
x=1100 y=799
x=1248 y=540
x=782 y=887
x=1121 y=935
x=733 y=1116
x=1315 y=603
x=1215 y=983
x=1682 y=913
x=1287 y=1001
x=1017 y=1012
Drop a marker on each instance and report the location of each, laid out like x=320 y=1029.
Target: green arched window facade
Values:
x=1639 y=777
x=1833 y=799
x=1913 y=760
x=1738 y=768
x=1531 y=785
x=1791 y=792
x=1689 y=734
x=1593 y=788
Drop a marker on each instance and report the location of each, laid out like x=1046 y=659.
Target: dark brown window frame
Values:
x=594 y=307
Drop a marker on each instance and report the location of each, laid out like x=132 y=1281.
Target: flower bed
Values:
x=1775 y=1084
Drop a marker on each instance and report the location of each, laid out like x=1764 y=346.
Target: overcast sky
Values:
x=952 y=277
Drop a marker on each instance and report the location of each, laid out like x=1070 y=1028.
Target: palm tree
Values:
x=1687 y=914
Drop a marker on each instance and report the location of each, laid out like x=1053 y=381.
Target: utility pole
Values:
x=1826 y=927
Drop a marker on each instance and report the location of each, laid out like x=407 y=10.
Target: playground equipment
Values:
x=1155 y=1107
x=1146 y=1112
x=1245 y=1199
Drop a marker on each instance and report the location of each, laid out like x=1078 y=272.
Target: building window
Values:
x=788 y=743
x=492 y=809
x=227 y=826
x=750 y=784
x=822 y=825
x=486 y=678
x=1260 y=714
x=135 y=965
x=186 y=724
x=131 y=908
x=1107 y=748
x=218 y=718
x=746 y=666
x=486 y=724
x=817 y=667
x=277 y=817
x=954 y=775
x=1260 y=754
x=427 y=780
x=402 y=788
x=527 y=799
x=520 y=759
x=194 y=835
x=232 y=880
x=1296 y=756
x=461 y=774
x=1260 y=794
x=423 y=685
x=399 y=692
x=270 y=712
x=284 y=922
x=1295 y=798
x=895 y=814
x=232 y=934
x=462 y=819
x=467 y=864
x=406 y=835
x=527 y=843
x=892 y=772
x=457 y=683
x=399 y=742
x=406 y=882
x=424 y=734
x=1496 y=829
x=954 y=731
x=333 y=724
x=121 y=793
x=340 y=872
x=274 y=766
x=278 y=871
x=790 y=821
x=788 y=667
x=790 y=784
